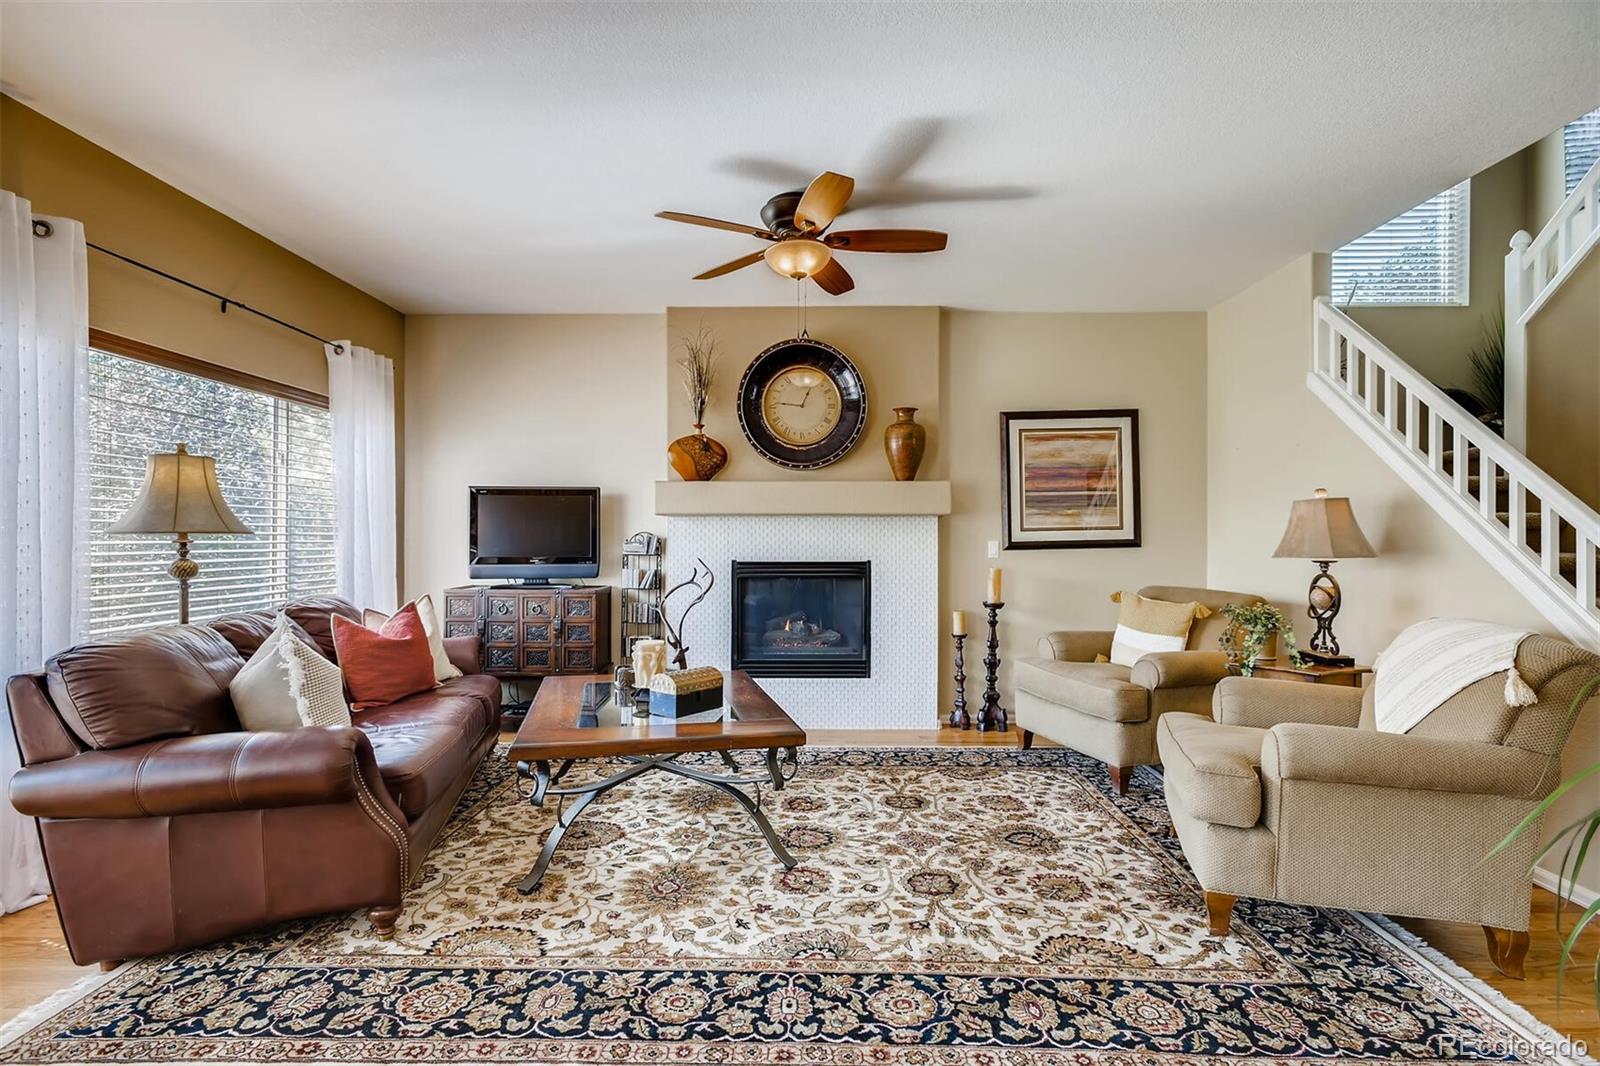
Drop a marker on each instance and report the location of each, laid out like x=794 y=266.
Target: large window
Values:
x=1580 y=147
x=274 y=462
x=1419 y=257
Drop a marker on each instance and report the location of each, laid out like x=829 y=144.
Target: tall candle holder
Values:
x=992 y=715
x=959 y=718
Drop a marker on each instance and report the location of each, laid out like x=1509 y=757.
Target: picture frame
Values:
x=1070 y=479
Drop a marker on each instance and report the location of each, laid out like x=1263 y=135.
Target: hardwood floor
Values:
x=34 y=962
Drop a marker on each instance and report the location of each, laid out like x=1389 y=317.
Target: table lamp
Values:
x=1324 y=530
x=180 y=497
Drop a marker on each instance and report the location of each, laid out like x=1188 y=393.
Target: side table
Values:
x=1284 y=670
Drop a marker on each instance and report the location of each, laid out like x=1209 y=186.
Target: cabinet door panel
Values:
x=577 y=660
x=540 y=606
x=537 y=660
x=578 y=606
x=502 y=605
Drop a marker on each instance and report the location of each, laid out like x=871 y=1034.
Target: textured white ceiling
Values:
x=1091 y=156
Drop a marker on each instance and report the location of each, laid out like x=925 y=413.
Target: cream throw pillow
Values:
x=1147 y=626
x=288 y=684
x=443 y=668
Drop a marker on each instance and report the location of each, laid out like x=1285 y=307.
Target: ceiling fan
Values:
x=796 y=223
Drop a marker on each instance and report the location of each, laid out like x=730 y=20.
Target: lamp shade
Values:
x=1323 y=527
x=797 y=257
x=180 y=495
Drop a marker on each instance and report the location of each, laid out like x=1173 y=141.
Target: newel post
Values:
x=1517 y=297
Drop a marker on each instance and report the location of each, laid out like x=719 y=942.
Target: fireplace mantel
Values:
x=802 y=497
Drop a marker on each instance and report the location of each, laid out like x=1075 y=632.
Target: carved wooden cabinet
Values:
x=534 y=631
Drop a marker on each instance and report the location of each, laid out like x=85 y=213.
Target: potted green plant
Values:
x=1578 y=834
x=1252 y=626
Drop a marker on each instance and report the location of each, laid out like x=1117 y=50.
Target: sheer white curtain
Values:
x=44 y=336
x=361 y=401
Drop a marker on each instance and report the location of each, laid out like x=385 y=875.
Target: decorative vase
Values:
x=697 y=457
x=904 y=441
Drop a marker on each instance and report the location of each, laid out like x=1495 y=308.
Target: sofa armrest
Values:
x=1338 y=755
x=1263 y=703
x=1075 y=645
x=210 y=772
x=1179 y=669
x=465 y=654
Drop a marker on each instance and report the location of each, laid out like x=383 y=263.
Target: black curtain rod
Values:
x=41 y=228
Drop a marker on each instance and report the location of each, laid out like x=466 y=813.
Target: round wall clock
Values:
x=802 y=404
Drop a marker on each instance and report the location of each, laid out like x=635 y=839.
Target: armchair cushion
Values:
x=1099 y=689
x=191 y=775
x=1075 y=645
x=1263 y=703
x=1179 y=669
x=1212 y=771
x=1336 y=755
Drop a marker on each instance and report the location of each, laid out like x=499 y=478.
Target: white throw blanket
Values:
x=1431 y=661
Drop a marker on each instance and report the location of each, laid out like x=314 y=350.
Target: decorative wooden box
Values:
x=681 y=693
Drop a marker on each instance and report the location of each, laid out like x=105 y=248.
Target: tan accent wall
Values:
x=895 y=348
x=529 y=400
x=132 y=212
x=1436 y=340
x=1270 y=441
x=1545 y=180
x=1564 y=383
x=997 y=362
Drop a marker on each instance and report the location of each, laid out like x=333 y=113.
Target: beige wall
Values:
x=1270 y=441
x=998 y=362
x=895 y=348
x=131 y=212
x=1436 y=340
x=528 y=400
x=1564 y=384
x=1545 y=181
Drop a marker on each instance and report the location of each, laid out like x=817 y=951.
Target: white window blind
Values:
x=1580 y=147
x=1419 y=257
x=274 y=462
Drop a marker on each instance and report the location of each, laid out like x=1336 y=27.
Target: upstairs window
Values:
x=1417 y=258
x=274 y=453
x=1580 y=147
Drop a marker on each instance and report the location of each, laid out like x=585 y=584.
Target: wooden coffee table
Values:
x=564 y=726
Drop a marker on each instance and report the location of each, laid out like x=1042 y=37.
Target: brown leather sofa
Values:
x=165 y=825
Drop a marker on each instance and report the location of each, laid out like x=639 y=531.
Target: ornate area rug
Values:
x=951 y=906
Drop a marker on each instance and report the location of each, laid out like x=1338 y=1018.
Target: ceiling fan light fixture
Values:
x=798 y=257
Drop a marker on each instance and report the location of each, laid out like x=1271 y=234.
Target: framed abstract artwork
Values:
x=1070 y=479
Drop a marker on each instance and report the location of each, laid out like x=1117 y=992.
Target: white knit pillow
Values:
x=288 y=684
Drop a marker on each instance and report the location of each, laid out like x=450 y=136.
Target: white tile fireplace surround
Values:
x=903 y=691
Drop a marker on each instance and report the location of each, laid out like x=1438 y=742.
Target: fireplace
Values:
x=802 y=619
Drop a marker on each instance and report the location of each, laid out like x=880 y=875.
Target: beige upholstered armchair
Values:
x=1292 y=795
x=1109 y=711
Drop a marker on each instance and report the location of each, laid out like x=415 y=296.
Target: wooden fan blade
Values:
x=717 y=223
x=824 y=198
x=730 y=266
x=887 y=240
x=834 y=279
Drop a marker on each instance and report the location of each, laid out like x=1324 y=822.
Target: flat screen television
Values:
x=535 y=535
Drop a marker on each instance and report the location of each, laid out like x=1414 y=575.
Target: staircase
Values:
x=1535 y=268
x=1542 y=538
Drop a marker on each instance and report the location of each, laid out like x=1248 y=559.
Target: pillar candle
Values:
x=994 y=584
x=958 y=623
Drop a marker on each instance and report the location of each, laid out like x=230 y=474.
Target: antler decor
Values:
x=680 y=657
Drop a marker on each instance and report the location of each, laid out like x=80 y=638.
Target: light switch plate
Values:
x=994 y=549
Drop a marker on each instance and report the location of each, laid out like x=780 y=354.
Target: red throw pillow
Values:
x=384 y=665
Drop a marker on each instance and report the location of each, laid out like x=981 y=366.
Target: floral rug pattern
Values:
x=949 y=906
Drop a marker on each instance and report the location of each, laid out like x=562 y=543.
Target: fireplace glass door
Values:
x=802 y=619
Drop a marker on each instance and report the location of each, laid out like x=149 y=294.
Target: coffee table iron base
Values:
x=546 y=782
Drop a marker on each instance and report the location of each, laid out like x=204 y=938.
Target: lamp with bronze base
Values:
x=180 y=497
x=1324 y=530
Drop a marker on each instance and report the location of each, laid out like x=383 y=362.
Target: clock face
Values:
x=802 y=404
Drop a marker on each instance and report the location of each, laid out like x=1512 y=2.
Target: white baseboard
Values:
x=1583 y=897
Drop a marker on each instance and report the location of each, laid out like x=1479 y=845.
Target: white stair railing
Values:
x=1536 y=533
x=1535 y=268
